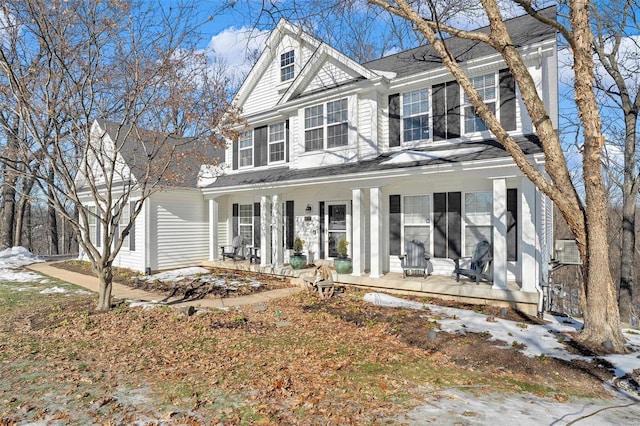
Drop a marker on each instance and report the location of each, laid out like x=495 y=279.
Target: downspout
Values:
x=147 y=236
x=543 y=261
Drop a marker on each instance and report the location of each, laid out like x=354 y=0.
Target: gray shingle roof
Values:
x=175 y=161
x=466 y=151
x=523 y=30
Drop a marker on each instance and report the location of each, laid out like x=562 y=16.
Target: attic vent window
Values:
x=287 y=60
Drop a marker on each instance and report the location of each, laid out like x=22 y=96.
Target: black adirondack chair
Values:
x=480 y=263
x=414 y=259
x=235 y=251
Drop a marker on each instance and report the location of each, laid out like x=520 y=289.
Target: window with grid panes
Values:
x=123 y=221
x=478 y=211
x=415 y=115
x=417 y=219
x=287 y=65
x=93 y=226
x=337 y=126
x=245 y=149
x=245 y=223
x=486 y=87
x=276 y=142
x=314 y=128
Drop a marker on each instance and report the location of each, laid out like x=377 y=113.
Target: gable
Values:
x=99 y=159
x=331 y=73
x=264 y=87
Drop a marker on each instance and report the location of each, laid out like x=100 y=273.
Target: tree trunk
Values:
x=53 y=218
x=629 y=199
x=25 y=200
x=105 y=275
x=9 y=193
x=627 y=270
x=28 y=241
x=601 y=315
x=8 y=209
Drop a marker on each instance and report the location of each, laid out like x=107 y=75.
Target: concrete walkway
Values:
x=121 y=291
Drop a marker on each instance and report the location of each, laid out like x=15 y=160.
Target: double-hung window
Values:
x=93 y=225
x=478 y=211
x=287 y=65
x=245 y=223
x=417 y=219
x=486 y=87
x=335 y=127
x=123 y=221
x=276 y=142
x=314 y=128
x=245 y=149
x=415 y=115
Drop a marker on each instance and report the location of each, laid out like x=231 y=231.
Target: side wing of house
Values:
x=179 y=222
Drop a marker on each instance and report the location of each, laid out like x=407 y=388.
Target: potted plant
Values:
x=298 y=260
x=342 y=263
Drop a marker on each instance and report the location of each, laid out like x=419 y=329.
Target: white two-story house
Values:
x=384 y=152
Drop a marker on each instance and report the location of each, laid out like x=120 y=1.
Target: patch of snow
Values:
x=535 y=340
x=410 y=156
x=16 y=257
x=145 y=304
x=178 y=274
x=15 y=276
x=455 y=407
x=53 y=290
x=208 y=174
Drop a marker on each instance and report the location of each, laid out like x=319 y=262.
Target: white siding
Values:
x=367 y=125
x=133 y=259
x=181 y=229
x=383 y=122
x=329 y=75
x=269 y=89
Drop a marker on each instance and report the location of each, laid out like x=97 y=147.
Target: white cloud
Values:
x=233 y=47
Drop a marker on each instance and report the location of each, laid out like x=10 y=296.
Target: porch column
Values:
x=377 y=231
x=213 y=235
x=277 y=241
x=529 y=271
x=265 y=230
x=500 y=233
x=358 y=230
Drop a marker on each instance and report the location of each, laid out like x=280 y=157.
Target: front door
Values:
x=337 y=226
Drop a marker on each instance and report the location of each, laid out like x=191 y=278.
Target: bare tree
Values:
x=70 y=62
x=615 y=25
x=587 y=219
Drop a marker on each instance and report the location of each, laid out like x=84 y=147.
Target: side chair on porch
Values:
x=480 y=263
x=236 y=251
x=414 y=259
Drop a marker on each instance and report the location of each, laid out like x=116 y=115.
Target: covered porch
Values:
x=437 y=286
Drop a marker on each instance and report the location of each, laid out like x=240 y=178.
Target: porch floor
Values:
x=437 y=286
